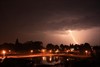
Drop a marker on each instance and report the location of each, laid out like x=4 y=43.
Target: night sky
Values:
x=49 y=21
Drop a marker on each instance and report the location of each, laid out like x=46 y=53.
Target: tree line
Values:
x=38 y=45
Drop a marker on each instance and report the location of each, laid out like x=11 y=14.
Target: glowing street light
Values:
x=86 y=52
x=31 y=51
x=3 y=52
x=67 y=51
x=50 y=51
x=57 y=51
x=43 y=50
x=72 y=49
x=9 y=51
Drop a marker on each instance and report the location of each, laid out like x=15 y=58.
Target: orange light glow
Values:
x=44 y=58
x=67 y=51
x=9 y=50
x=50 y=51
x=86 y=52
x=31 y=51
x=43 y=50
x=57 y=51
x=50 y=59
x=72 y=49
x=3 y=52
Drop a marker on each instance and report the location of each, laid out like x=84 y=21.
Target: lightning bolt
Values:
x=72 y=36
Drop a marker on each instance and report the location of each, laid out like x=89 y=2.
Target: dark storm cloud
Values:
x=78 y=23
x=48 y=15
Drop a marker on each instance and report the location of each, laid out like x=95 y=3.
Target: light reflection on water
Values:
x=51 y=61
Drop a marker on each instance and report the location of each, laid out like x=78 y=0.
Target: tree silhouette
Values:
x=50 y=46
x=18 y=45
x=87 y=46
x=38 y=45
x=62 y=47
x=56 y=47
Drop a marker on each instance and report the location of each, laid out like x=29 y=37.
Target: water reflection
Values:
x=51 y=61
x=44 y=58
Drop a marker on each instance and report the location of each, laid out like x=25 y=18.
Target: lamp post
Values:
x=4 y=53
x=86 y=52
x=43 y=50
x=50 y=51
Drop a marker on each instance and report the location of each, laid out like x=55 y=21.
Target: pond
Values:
x=48 y=61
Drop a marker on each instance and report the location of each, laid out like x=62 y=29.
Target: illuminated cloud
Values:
x=29 y=19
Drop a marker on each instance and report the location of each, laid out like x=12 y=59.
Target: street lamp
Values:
x=72 y=49
x=31 y=51
x=3 y=52
x=50 y=51
x=67 y=51
x=9 y=51
x=86 y=52
x=43 y=50
x=57 y=51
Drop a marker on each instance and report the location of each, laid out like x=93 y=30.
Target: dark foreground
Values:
x=51 y=61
